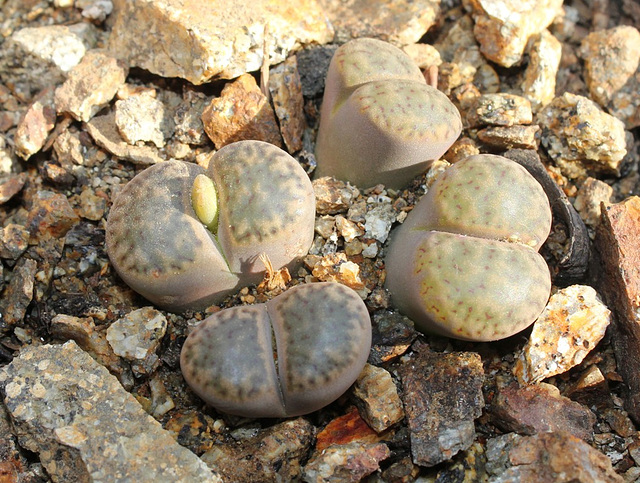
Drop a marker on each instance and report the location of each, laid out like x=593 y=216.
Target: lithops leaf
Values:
x=487 y=196
x=469 y=288
x=381 y=122
x=465 y=262
x=266 y=205
x=322 y=334
x=157 y=244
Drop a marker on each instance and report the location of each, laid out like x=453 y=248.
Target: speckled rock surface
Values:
x=546 y=457
x=612 y=71
x=197 y=41
x=90 y=85
x=62 y=402
x=503 y=27
x=399 y=22
x=581 y=138
x=377 y=398
x=36 y=57
x=539 y=83
x=570 y=326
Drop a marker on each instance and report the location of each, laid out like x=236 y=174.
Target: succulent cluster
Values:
x=380 y=121
x=184 y=238
x=465 y=263
x=321 y=341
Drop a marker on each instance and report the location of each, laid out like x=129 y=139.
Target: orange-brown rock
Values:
x=619 y=251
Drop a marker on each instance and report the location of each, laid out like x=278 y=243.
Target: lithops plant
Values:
x=184 y=238
x=465 y=263
x=380 y=122
x=290 y=356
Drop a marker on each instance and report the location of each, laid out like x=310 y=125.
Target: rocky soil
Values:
x=94 y=91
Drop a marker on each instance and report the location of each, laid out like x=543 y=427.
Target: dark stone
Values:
x=442 y=395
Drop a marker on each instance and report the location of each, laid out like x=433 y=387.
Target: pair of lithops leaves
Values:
x=287 y=357
x=185 y=237
x=380 y=122
x=465 y=263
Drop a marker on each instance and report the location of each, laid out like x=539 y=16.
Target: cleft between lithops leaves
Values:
x=204 y=199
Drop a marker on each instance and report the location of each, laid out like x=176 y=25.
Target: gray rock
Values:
x=136 y=338
x=85 y=426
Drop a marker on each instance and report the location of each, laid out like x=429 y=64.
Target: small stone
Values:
x=616 y=244
x=275 y=454
x=546 y=457
x=399 y=22
x=103 y=130
x=56 y=174
x=35 y=58
x=194 y=429
x=136 y=338
x=333 y=196
x=241 y=112
x=335 y=267
x=68 y=149
x=503 y=27
x=424 y=55
x=194 y=41
x=65 y=405
x=347 y=428
x=510 y=137
x=325 y=226
x=591 y=388
x=188 y=118
x=540 y=408
x=401 y=471
x=345 y=463
x=457 y=39
x=14 y=240
x=139 y=117
x=377 y=398
x=161 y=402
x=92 y=206
x=98 y=10
x=36 y=124
x=50 y=216
x=90 y=86
x=461 y=149
x=10 y=185
x=286 y=94
x=18 y=295
x=369 y=248
x=392 y=335
x=442 y=395
x=539 y=84
x=581 y=138
x=499 y=110
x=348 y=229
x=92 y=340
x=378 y=221
x=611 y=58
x=591 y=194
x=570 y=326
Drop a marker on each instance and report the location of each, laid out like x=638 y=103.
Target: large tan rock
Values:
x=202 y=39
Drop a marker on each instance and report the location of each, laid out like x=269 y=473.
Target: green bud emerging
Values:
x=205 y=201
